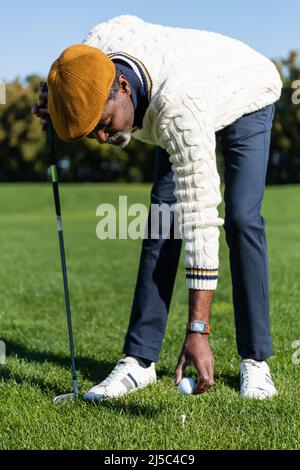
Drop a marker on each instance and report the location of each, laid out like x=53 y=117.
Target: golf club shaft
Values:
x=50 y=135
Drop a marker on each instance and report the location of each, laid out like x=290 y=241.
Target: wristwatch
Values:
x=197 y=326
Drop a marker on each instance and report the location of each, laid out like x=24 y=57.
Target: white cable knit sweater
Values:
x=201 y=82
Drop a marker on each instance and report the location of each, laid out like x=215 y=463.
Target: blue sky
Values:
x=33 y=35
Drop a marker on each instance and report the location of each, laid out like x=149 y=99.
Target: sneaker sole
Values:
x=254 y=397
x=99 y=397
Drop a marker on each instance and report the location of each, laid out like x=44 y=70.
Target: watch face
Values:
x=198 y=326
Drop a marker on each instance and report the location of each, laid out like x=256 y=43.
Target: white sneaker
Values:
x=256 y=380
x=126 y=377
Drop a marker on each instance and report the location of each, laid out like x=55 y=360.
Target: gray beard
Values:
x=120 y=139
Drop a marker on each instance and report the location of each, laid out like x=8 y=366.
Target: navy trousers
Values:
x=245 y=146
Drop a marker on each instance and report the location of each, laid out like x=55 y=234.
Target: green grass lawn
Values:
x=101 y=280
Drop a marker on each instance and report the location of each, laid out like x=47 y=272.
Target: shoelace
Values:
x=120 y=369
x=253 y=375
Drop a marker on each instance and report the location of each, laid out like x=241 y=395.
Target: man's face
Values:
x=116 y=123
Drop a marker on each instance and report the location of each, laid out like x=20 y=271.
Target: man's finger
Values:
x=201 y=387
x=180 y=370
x=205 y=374
x=42 y=112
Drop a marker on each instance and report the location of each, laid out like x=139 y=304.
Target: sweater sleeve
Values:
x=187 y=133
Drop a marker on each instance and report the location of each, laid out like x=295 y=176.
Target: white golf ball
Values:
x=186 y=386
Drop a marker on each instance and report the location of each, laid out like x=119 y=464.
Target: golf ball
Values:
x=186 y=386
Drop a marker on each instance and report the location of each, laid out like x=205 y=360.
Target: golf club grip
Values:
x=50 y=137
x=49 y=129
x=56 y=196
x=53 y=167
x=44 y=88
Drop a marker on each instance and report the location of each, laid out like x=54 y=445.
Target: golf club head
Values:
x=63 y=398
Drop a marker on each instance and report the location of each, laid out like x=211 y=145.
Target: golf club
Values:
x=50 y=138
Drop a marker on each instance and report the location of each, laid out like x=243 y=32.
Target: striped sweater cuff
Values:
x=202 y=278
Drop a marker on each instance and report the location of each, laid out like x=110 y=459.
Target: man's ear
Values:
x=124 y=86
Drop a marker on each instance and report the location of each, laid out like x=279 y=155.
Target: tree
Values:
x=24 y=155
x=284 y=162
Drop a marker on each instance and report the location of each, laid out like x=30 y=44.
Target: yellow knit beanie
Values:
x=79 y=83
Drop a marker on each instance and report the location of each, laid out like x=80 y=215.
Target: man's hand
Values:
x=196 y=351
x=40 y=109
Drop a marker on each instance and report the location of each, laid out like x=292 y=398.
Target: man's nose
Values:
x=102 y=136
